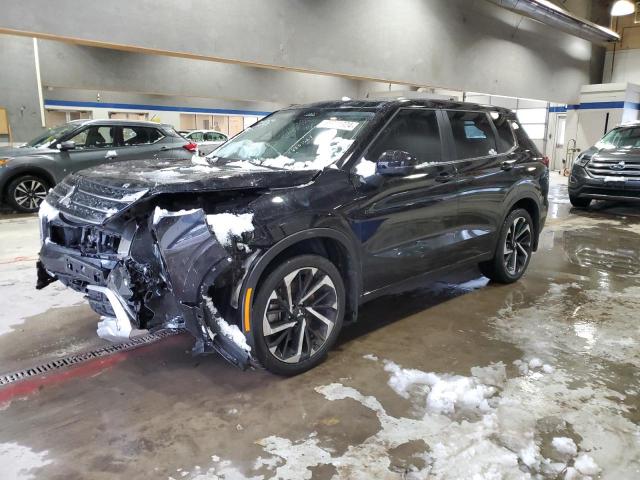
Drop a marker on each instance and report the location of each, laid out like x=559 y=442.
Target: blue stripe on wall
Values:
x=595 y=106
x=161 y=108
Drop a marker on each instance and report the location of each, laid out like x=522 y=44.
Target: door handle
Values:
x=111 y=154
x=507 y=164
x=164 y=149
x=444 y=177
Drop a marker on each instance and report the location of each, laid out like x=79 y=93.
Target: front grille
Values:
x=80 y=199
x=89 y=240
x=614 y=167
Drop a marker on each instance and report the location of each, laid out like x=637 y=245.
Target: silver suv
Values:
x=27 y=172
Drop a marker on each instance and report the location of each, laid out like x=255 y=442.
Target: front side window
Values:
x=472 y=134
x=297 y=139
x=95 y=137
x=627 y=137
x=413 y=131
x=195 y=136
x=140 y=135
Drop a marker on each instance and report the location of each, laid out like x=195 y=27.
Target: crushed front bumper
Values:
x=154 y=275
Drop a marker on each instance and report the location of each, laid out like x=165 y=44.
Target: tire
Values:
x=280 y=351
x=579 y=202
x=26 y=193
x=504 y=267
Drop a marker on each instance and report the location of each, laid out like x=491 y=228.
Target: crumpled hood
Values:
x=183 y=176
x=95 y=195
x=14 y=152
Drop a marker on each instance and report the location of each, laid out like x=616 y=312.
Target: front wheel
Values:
x=515 y=246
x=298 y=314
x=26 y=193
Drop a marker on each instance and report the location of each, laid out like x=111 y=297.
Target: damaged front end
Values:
x=145 y=268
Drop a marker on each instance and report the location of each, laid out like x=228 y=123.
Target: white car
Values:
x=207 y=140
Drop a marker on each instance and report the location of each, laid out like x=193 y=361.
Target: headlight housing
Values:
x=582 y=160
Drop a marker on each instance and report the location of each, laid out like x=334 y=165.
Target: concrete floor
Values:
x=538 y=379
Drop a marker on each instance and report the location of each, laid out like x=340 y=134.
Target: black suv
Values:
x=266 y=250
x=610 y=170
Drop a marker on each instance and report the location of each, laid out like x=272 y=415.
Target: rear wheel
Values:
x=298 y=314
x=26 y=193
x=579 y=202
x=514 y=249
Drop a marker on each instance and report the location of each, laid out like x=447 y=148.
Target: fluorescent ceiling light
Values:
x=622 y=7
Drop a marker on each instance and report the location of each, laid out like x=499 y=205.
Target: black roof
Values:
x=107 y=121
x=401 y=102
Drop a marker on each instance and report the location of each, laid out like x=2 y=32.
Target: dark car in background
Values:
x=264 y=252
x=27 y=172
x=610 y=170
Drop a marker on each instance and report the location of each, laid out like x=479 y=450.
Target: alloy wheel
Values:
x=30 y=193
x=517 y=246
x=300 y=315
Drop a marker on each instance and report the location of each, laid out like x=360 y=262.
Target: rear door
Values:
x=486 y=158
x=405 y=221
x=148 y=143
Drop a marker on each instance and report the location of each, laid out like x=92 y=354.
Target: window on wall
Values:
x=55 y=117
x=534 y=121
x=128 y=116
x=221 y=124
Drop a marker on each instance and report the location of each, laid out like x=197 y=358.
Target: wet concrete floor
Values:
x=539 y=379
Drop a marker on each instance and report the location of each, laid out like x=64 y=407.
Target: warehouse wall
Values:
x=470 y=45
x=18 y=86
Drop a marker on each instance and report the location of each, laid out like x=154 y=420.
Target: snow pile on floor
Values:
x=18 y=462
x=444 y=393
x=160 y=213
x=232 y=332
x=565 y=446
x=225 y=226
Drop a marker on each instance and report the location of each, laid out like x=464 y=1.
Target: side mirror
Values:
x=396 y=162
x=68 y=145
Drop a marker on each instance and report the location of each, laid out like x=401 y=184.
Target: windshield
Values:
x=628 y=137
x=297 y=139
x=51 y=135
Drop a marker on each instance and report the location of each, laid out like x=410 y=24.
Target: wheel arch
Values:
x=23 y=171
x=327 y=242
x=531 y=205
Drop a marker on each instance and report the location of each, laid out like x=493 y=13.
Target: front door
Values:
x=94 y=145
x=405 y=221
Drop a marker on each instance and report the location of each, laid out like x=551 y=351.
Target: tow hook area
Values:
x=118 y=328
x=44 y=277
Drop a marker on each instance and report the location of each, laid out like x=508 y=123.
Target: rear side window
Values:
x=523 y=139
x=472 y=134
x=195 y=136
x=214 y=137
x=413 y=131
x=140 y=135
x=506 y=140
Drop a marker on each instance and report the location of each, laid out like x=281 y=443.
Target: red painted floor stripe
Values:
x=85 y=369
